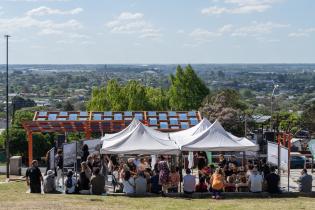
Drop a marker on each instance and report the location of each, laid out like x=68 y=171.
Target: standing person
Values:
x=59 y=166
x=255 y=181
x=47 y=158
x=189 y=182
x=34 y=178
x=85 y=152
x=273 y=181
x=49 y=182
x=155 y=186
x=89 y=162
x=305 y=182
x=97 y=182
x=222 y=161
x=217 y=183
x=164 y=174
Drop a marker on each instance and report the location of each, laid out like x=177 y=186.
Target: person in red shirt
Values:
x=202 y=186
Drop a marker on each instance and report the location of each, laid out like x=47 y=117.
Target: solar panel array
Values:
x=61 y=121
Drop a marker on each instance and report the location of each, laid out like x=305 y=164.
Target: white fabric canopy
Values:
x=180 y=136
x=139 y=139
x=215 y=138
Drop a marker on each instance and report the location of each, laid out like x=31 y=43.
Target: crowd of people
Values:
x=138 y=175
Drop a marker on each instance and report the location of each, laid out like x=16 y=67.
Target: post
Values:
x=279 y=156
x=30 y=147
x=289 y=165
x=7 y=144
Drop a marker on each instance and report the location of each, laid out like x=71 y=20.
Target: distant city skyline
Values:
x=158 y=32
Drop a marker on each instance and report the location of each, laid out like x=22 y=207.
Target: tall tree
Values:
x=187 y=89
x=136 y=95
x=115 y=96
x=98 y=101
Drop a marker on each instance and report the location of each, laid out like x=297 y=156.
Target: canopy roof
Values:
x=215 y=138
x=138 y=139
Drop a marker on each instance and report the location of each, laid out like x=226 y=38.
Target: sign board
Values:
x=311 y=147
x=52 y=159
x=93 y=145
x=69 y=154
x=284 y=153
x=272 y=153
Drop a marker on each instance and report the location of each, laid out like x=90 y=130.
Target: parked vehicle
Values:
x=297 y=162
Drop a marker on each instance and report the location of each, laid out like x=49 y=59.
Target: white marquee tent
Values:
x=138 y=139
x=215 y=138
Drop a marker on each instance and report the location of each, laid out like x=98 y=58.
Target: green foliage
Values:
x=136 y=96
x=157 y=99
x=289 y=122
x=99 y=101
x=187 y=90
x=308 y=118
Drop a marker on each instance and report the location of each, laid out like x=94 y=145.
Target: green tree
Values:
x=157 y=99
x=98 y=101
x=136 y=96
x=187 y=90
x=308 y=118
x=115 y=96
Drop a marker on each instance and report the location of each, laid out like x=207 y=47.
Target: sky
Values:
x=158 y=31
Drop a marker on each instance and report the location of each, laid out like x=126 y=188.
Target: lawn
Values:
x=13 y=196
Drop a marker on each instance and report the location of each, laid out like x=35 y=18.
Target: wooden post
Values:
x=30 y=147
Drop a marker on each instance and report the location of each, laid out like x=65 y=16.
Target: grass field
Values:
x=13 y=196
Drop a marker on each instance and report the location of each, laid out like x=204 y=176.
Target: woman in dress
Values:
x=164 y=174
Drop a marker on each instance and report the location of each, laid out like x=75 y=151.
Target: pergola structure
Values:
x=105 y=122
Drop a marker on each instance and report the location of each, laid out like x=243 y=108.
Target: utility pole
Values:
x=7 y=150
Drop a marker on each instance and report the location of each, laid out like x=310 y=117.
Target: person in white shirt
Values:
x=255 y=181
x=70 y=183
x=189 y=182
x=129 y=183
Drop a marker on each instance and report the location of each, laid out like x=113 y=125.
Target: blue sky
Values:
x=159 y=31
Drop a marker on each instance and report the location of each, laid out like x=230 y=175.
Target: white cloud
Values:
x=203 y=35
x=306 y=32
x=239 y=7
x=41 y=11
x=133 y=23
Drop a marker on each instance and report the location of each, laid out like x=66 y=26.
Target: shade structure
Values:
x=215 y=138
x=180 y=136
x=139 y=139
x=128 y=129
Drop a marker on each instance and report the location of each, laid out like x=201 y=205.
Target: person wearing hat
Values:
x=49 y=182
x=70 y=183
x=255 y=181
x=34 y=178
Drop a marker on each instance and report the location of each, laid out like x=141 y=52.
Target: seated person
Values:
x=243 y=185
x=230 y=185
x=228 y=170
x=70 y=183
x=84 y=179
x=49 y=182
x=189 y=182
x=140 y=183
x=97 y=182
x=273 y=181
x=255 y=181
x=174 y=180
x=129 y=183
x=202 y=186
x=155 y=186
x=305 y=182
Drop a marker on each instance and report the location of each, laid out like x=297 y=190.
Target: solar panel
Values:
x=151 y=113
x=128 y=114
x=152 y=121
x=73 y=117
x=173 y=121
x=163 y=125
x=128 y=118
x=108 y=114
x=82 y=118
x=191 y=114
x=162 y=116
x=117 y=116
x=42 y=114
x=184 y=125
x=171 y=114
x=183 y=116
x=52 y=116
x=62 y=118
x=63 y=114
x=139 y=116
x=97 y=117
x=107 y=118
x=84 y=114
x=174 y=127
x=193 y=121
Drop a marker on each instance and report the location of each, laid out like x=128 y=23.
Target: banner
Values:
x=52 y=158
x=311 y=147
x=272 y=153
x=190 y=160
x=93 y=145
x=69 y=154
x=284 y=153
